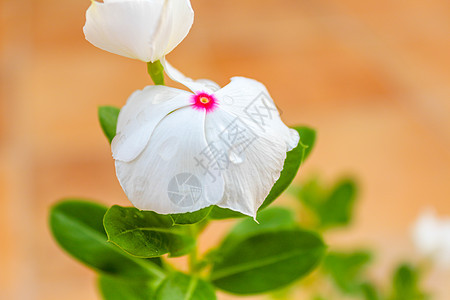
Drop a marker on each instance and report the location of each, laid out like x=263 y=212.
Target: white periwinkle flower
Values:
x=431 y=236
x=177 y=151
x=140 y=29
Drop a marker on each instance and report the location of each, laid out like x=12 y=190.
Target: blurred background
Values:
x=373 y=77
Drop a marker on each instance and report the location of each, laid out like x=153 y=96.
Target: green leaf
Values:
x=191 y=218
x=346 y=269
x=312 y=193
x=156 y=72
x=406 y=285
x=146 y=233
x=270 y=219
x=266 y=261
x=179 y=286
x=333 y=207
x=294 y=159
x=113 y=288
x=339 y=206
x=108 y=115
x=77 y=226
x=369 y=291
x=307 y=139
x=219 y=213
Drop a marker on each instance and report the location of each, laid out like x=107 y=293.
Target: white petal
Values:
x=140 y=29
x=431 y=236
x=443 y=257
x=167 y=177
x=251 y=102
x=200 y=85
x=176 y=21
x=252 y=160
x=139 y=117
x=247 y=129
x=426 y=234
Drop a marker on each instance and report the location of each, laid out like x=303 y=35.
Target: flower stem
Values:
x=156 y=72
x=193 y=261
x=193 y=254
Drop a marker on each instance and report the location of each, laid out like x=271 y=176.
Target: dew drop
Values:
x=228 y=100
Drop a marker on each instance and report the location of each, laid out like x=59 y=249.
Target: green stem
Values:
x=193 y=261
x=156 y=72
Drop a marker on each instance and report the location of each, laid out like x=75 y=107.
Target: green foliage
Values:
x=332 y=207
x=191 y=218
x=369 y=291
x=77 y=226
x=259 y=258
x=113 y=288
x=270 y=219
x=294 y=159
x=267 y=261
x=307 y=139
x=179 y=286
x=108 y=115
x=156 y=72
x=347 y=269
x=146 y=233
x=405 y=284
x=219 y=213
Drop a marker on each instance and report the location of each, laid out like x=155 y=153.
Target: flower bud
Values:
x=141 y=29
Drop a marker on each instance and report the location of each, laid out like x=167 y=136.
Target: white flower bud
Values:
x=141 y=29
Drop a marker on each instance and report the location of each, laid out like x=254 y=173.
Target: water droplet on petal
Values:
x=228 y=100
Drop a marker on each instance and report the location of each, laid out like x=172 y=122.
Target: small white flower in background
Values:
x=177 y=151
x=431 y=236
x=141 y=29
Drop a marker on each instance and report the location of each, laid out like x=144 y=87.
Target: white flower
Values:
x=177 y=151
x=431 y=237
x=140 y=29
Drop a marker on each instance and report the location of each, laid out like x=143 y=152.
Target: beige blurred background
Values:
x=373 y=77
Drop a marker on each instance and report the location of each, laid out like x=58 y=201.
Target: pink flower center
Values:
x=204 y=101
